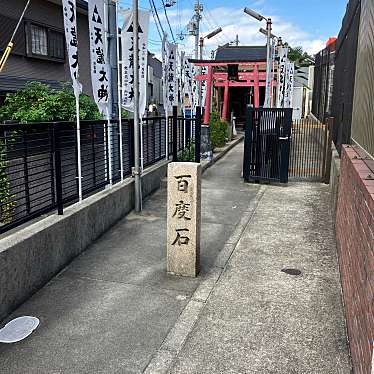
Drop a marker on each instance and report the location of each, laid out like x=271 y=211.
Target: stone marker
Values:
x=184 y=218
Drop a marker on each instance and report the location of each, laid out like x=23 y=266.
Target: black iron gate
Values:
x=267 y=144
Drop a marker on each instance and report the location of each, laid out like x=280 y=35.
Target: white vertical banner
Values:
x=288 y=96
x=194 y=100
x=204 y=71
x=71 y=37
x=164 y=97
x=188 y=80
x=282 y=76
x=128 y=60
x=100 y=69
x=171 y=81
x=181 y=77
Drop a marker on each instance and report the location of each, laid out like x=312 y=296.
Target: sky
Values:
x=305 y=23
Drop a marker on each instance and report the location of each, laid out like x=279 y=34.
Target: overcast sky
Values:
x=306 y=23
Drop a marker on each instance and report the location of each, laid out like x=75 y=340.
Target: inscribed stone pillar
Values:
x=184 y=218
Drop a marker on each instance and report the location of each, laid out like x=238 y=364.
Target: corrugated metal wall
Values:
x=344 y=77
x=322 y=88
x=363 y=103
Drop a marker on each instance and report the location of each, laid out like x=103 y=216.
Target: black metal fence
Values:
x=267 y=144
x=308 y=150
x=39 y=165
x=323 y=83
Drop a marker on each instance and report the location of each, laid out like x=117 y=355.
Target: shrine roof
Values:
x=241 y=53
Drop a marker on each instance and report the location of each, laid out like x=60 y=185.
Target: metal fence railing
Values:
x=38 y=161
x=308 y=149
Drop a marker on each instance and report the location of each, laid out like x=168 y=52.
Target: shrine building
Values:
x=234 y=79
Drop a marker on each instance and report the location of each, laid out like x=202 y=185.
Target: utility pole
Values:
x=269 y=55
x=269 y=65
x=237 y=40
x=137 y=170
x=197 y=19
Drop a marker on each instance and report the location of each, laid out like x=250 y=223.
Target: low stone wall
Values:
x=32 y=255
x=355 y=240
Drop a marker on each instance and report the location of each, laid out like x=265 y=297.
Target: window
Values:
x=56 y=45
x=39 y=44
x=45 y=43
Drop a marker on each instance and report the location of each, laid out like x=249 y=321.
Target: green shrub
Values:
x=218 y=130
x=38 y=102
x=7 y=203
x=188 y=153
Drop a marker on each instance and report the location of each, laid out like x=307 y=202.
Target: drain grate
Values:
x=291 y=271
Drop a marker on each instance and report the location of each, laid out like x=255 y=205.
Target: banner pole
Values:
x=110 y=150
x=141 y=145
x=79 y=156
x=119 y=72
x=167 y=135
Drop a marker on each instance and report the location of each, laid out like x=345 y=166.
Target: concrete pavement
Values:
x=111 y=308
x=259 y=319
x=114 y=309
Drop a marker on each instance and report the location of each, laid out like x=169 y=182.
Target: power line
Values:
x=154 y=12
x=167 y=19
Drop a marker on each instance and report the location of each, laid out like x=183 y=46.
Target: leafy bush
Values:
x=188 y=153
x=7 y=203
x=38 y=102
x=218 y=130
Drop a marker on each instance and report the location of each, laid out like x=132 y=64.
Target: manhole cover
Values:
x=292 y=271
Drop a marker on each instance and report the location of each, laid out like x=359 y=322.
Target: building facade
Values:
x=39 y=52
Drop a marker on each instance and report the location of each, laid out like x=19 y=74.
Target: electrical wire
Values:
x=158 y=25
x=167 y=19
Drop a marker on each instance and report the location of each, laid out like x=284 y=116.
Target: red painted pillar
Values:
x=225 y=100
x=208 y=94
x=256 y=88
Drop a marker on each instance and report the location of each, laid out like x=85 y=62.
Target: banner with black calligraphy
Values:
x=282 y=65
x=188 y=81
x=165 y=47
x=127 y=40
x=100 y=69
x=204 y=72
x=288 y=96
x=71 y=37
x=171 y=81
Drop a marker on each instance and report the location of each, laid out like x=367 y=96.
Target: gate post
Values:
x=247 y=142
x=175 y=134
x=285 y=145
x=328 y=151
x=198 y=134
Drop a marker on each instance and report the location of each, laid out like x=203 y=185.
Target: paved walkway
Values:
x=114 y=309
x=261 y=320
x=110 y=310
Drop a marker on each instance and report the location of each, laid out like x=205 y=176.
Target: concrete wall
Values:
x=32 y=255
x=355 y=240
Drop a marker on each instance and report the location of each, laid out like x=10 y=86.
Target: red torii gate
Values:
x=255 y=78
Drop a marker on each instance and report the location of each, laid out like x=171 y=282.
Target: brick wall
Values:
x=355 y=238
